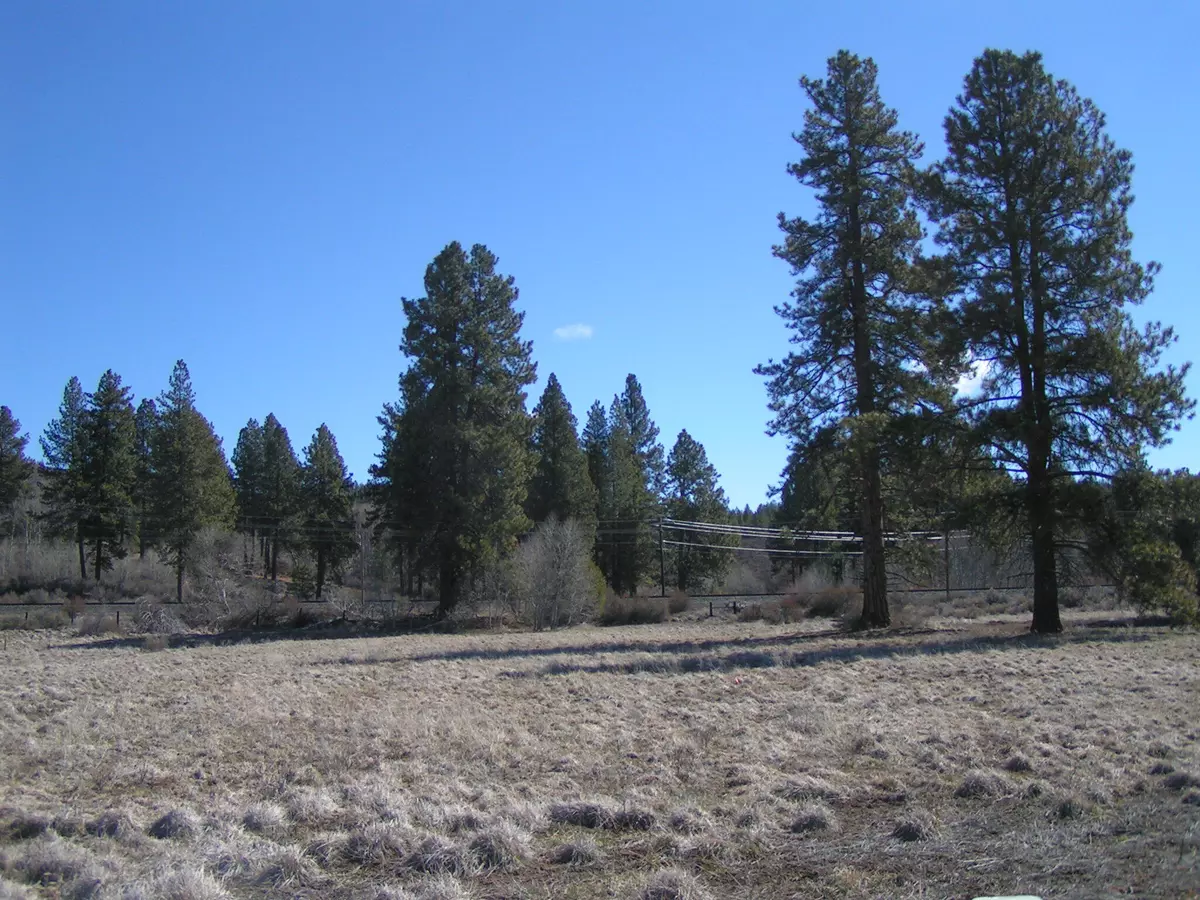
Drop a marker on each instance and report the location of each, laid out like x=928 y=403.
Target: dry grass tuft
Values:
x=673 y=884
x=1018 y=762
x=915 y=825
x=51 y=859
x=265 y=818
x=11 y=891
x=1178 y=781
x=499 y=848
x=186 y=884
x=1070 y=807
x=583 y=815
x=112 y=824
x=286 y=867
x=178 y=823
x=437 y=856
x=633 y=818
x=978 y=784
x=687 y=821
x=377 y=844
x=23 y=826
x=812 y=818
x=583 y=852
x=809 y=787
x=442 y=887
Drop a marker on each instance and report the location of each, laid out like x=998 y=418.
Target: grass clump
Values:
x=499 y=848
x=582 y=815
x=673 y=884
x=978 y=784
x=813 y=818
x=174 y=825
x=915 y=825
x=583 y=852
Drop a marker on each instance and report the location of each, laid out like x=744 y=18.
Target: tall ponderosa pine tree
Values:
x=249 y=461
x=327 y=501
x=692 y=494
x=109 y=471
x=560 y=486
x=191 y=487
x=145 y=421
x=64 y=448
x=861 y=359
x=631 y=505
x=15 y=469
x=455 y=466
x=280 y=492
x=1033 y=199
x=595 y=441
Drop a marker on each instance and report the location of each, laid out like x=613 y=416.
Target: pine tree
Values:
x=15 y=469
x=595 y=440
x=327 y=492
x=861 y=357
x=109 y=471
x=191 y=487
x=633 y=548
x=249 y=463
x=455 y=475
x=280 y=491
x=1033 y=198
x=145 y=422
x=64 y=448
x=643 y=433
x=692 y=494
x=560 y=486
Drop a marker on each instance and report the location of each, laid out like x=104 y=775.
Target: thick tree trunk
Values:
x=83 y=573
x=447 y=589
x=1046 y=618
x=99 y=558
x=275 y=556
x=320 y=571
x=875 y=613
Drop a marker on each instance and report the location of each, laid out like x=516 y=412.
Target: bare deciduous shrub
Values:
x=632 y=611
x=98 y=624
x=553 y=569
x=155 y=642
x=832 y=602
x=673 y=884
x=678 y=602
x=154 y=618
x=751 y=613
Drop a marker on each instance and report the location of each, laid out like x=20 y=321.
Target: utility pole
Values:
x=662 y=563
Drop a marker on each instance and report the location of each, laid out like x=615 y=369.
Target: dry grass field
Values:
x=686 y=760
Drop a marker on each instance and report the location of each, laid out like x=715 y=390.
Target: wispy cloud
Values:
x=576 y=332
x=970 y=382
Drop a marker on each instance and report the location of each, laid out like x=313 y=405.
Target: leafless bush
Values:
x=632 y=611
x=553 y=570
x=678 y=602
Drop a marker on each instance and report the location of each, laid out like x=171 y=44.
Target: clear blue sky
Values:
x=253 y=186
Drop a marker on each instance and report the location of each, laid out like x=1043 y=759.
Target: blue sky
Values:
x=253 y=186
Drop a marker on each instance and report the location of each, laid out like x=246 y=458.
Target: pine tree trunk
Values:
x=99 y=557
x=320 y=570
x=83 y=573
x=1046 y=619
x=179 y=579
x=875 y=613
x=447 y=589
x=275 y=557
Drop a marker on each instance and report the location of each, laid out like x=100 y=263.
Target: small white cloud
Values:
x=970 y=382
x=576 y=332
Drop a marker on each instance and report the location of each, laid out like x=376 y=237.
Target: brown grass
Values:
x=683 y=760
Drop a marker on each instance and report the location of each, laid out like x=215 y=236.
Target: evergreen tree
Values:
x=1033 y=198
x=280 y=491
x=457 y=468
x=643 y=433
x=191 y=487
x=64 y=448
x=327 y=498
x=15 y=469
x=145 y=421
x=595 y=449
x=109 y=471
x=560 y=486
x=861 y=359
x=249 y=464
x=692 y=494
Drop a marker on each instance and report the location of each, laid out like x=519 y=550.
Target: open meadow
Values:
x=688 y=760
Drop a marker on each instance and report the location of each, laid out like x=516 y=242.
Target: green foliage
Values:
x=109 y=471
x=326 y=493
x=1141 y=530
x=64 y=449
x=191 y=487
x=279 y=491
x=145 y=423
x=692 y=494
x=560 y=486
x=1033 y=199
x=858 y=316
x=15 y=469
x=453 y=474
